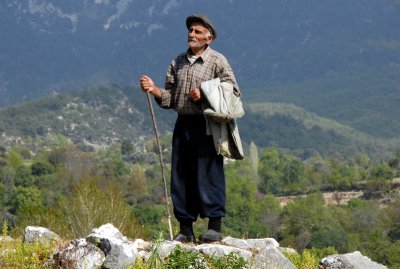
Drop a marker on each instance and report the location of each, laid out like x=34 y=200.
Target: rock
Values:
x=221 y=250
x=353 y=260
x=79 y=254
x=107 y=248
x=266 y=253
x=271 y=258
x=287 y=250
x=40 y=234
x=253 y=244
x=6 y=238
x=163 y=249
x=143 y=248
x=120 y=252
x=4 y=249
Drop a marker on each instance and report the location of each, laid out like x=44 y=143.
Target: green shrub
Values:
x=19 y=255
x=181 y=258
x=309 y=258
x=91 y=204
x=230 y=261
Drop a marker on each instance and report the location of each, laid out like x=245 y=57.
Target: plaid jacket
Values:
x=182 y=76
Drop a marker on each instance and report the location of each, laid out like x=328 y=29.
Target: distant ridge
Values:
x=338 y=59
x=311 y=120
x=104 y=116
x=293 y=128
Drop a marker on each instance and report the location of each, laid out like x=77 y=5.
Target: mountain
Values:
x=90 y=118
x=365 y=98
x=99 y=117
x=335 y=58
x=287 y=126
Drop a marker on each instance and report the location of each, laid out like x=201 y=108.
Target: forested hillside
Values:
x=362 y=97
x=338 y=59
x=71 y=191
x=90 y=118
x=99 y=117
x=306 y=134
x=87 y=148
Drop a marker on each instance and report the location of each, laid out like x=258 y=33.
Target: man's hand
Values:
x=147 y=85
x=195 y=95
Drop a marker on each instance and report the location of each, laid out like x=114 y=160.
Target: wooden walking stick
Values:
x=161 y=163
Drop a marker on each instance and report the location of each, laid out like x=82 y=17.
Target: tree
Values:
x=41 y=168
x=254 y=160
x=126 y=147
x=77 y=165
x=3 y=197
x=3 y=151
x=57 y=156
x=381 y=171
x=281 y=173
x=249 y=213
x=270 y=172
x=307 y=222
x=380 y=176
x=391 y=255
x=14 y=159
x=341 y=176
x=111 y=163
x=7 y=177
x=395 y=165
x=25 y=196
x=293 y=175
x=243 y=209
x=24 y=177
x=394 y=216
x=137 y=186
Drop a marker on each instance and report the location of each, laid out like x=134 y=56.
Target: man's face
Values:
x=198 y=37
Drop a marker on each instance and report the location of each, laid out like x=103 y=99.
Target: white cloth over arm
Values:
x=224 y=107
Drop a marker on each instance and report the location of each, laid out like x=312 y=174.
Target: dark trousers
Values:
x=197 y=175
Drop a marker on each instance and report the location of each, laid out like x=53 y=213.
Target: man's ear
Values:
x=210 y=39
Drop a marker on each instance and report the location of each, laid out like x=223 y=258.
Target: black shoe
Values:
x=185 y=238
x=210 y=236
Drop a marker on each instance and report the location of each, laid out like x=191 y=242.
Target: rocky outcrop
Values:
x=79 y=254
x=106 y=247
x=40 y=234
x=353 y=260
x=119 y=251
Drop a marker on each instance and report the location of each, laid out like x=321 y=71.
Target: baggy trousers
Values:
x=197 y=175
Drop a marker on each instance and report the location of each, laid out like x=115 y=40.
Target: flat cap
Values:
x=203 y=20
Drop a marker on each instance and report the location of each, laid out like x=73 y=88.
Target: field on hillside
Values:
x=341 y=197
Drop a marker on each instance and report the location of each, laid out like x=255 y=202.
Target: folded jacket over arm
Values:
x=224 y=107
